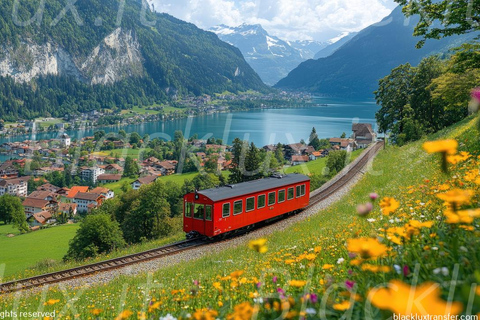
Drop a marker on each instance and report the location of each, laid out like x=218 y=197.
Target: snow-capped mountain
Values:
x=271 y=57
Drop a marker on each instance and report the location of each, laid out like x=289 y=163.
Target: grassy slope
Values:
x=393 y=169
x=22 y=251
x=316 y=166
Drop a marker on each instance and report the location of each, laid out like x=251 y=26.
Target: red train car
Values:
x=225 y=209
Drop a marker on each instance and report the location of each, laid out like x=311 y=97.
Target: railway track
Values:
x=344 y=177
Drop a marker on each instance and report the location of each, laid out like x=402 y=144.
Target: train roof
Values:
x=250 y=187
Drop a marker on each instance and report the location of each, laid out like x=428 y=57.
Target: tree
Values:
x=122 y=133
x=98 y=135
x=236 y=172
x=279 y=154
x=393 y=95
x=149 y=214
x=442 y=18
x=98 y=234
x=131 y=169
x=135 y=139
x=336 y=161
x=252 y=164
x=12 y=211
x=343 y=136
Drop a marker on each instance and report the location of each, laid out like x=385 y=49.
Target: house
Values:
x=270 y=148
x=33 y=206
x=343 y=144
x=296 y=160
x=143 y=181
x=316 y=155
x=8 y=170
x=76 y=189
x=65 y=140
x=48 y=187
x=363 y=134
x=91 y=174
x=166 y=167
x=70 y=209
x=43 y=195
x=113 y=168
x=40 y=219
x=107 y=193
x=295 y=149
x=87 y=201
x=15 y=187
x=109 y=178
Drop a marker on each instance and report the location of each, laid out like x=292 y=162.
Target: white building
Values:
x=65 y=140
x=87 y=201
x=15 y=187
x=91 y=174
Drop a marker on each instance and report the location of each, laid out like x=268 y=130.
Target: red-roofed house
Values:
x=76 y=189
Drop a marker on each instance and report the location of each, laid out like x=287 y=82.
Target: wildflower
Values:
x=340 y=260
x=51 y=302
x=154 y=306
x=459 y=217
x=364 y=209
x=373 y=196
x=205 y=314
x=124 y=315
x=328 y=266
x=375 y=268
x=314 y=298
x=406 y=270
x=441 y=146
x=311 y=311
x=236 y=274
x=402 y=299
x=168 y=317
x=297 y=283
x=389 y=205
x=444 y=147
x=141 y=316
x=367 y=248
x=274 y=279
x=243 y=311
x=258 y=245
x=217 y=285
x=343 y=306
x=444 y=271
x=96 y=312
x=349 y=284
x=455 y=159
x=456 y=197
x=397 y=268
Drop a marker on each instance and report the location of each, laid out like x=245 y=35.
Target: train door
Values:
x=199 y=217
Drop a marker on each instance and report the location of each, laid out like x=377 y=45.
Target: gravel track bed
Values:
x=195 y=253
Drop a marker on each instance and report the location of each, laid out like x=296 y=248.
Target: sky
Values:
x=319 y=20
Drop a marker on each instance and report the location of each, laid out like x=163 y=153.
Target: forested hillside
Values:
x=97 y=54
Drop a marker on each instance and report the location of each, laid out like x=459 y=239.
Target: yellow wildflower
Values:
x=441 y=146
x=124 y=315
x=343 y=306
x=328 y=266
x=258 y=245
x=297 y=283
x=389 y=205
x=205 y=314
x=402 y=299
x=367 y=248
x=457 y=197
x=51 y=302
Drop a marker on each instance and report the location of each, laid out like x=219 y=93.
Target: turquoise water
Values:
x=260 y=126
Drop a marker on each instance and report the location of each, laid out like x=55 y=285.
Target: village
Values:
x=87 y=176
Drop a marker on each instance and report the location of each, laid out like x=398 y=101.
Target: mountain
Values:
x=271 y=57
x=100 y=54
x=330 y=49
x=355 y=68
x=308 y=48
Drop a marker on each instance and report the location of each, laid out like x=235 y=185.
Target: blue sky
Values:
x=288 y=19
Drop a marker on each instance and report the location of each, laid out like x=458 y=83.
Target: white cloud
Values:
x=288 y=19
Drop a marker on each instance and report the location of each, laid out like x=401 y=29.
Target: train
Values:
x=224 y=210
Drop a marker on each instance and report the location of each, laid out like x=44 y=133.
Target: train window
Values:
x=238 y=207
x=271 y=198
x=199 y=212
x=290 y=194
x=261 y=201
x=226 y=210
x=299 y=191
x=250 y=204
x=208 y=213
x=302 y=190
x=281 y=196
x=188 y=209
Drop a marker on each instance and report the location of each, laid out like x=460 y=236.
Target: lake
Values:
x=267 y=126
